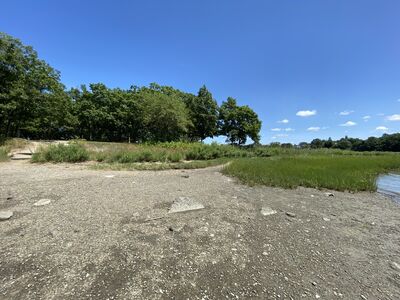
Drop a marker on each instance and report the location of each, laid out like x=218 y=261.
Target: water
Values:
x=389 y=185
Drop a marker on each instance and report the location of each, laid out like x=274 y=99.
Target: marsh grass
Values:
x=337 y=172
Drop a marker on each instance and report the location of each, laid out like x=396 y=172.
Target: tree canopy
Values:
x=35 y=104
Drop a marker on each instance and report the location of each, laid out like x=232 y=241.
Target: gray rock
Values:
x=5 y=215
x=395 y=266
x=182 y=204
x=266 y=211
x=42 y=202
x=290 y=214
x=176 y=228
x=329 y=194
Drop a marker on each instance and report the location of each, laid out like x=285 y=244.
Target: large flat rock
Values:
x=182 y=204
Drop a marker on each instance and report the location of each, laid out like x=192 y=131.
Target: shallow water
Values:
x=389 y=185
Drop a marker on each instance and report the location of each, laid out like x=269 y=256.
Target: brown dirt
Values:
x=112 y=238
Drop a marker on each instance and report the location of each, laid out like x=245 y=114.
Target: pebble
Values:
x=329 y=194
x=42 y=202
x=109 y=176
x=290 y=214
x=363 y=297
x=395 y=266
x=5 y=215
x=326 y=219
x=266 y=211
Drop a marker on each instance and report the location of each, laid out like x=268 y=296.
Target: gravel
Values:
x=105 y=238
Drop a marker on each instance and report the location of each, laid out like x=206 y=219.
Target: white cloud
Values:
x=348 y=124
x=282 y=135
x=306 y=113
x=346 y=112
x=282 y=129
x=382 y=128
x=395 y=117
x=284 y=121
x=313 y=129
x=366 y=118
x=398 y=100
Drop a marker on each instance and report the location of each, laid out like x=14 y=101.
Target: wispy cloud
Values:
x=366 y=118
x=313 y=128
x=348 y=124
x=395 y=117
x=381 y=128
x=282 y=129
x=284 y=121
x=306 y=113
x=346 y=112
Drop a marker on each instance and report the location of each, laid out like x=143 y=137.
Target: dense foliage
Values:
x=35 y=104
x=387 y=142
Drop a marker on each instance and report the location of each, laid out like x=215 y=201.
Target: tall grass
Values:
x=162 y=152
x=61 y=153
x=338 y=172
x=3 y=154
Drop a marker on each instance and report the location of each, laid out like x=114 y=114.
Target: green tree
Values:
x=32 y=99
x=203 y=113
x=238 y=123
x=165 y=118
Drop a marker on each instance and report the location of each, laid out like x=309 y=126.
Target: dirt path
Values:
x=108 y=235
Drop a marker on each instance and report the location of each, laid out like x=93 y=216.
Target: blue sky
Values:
x=317 y=64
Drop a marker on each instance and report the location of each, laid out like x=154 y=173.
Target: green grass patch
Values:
x=61 y=153
x=4 y=154
x=159 y=166
x=337 y=172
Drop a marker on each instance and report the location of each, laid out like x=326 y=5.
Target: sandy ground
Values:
x=111 y=237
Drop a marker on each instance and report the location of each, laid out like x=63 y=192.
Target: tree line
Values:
x=35 y=104
x=387 y=142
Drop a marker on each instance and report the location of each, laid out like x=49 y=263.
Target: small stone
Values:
x=363 y=297
x=176 y=228
x=42 y=202
x=290 y=214
x=326 y=219
x=109 y=176
x=312 y=196
x=185 y=176
x=395 y=266
x=5 y=215
x=265 y=253
x=314 y=283
x=266 y=211
x=317 y=296
x=329 y=194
